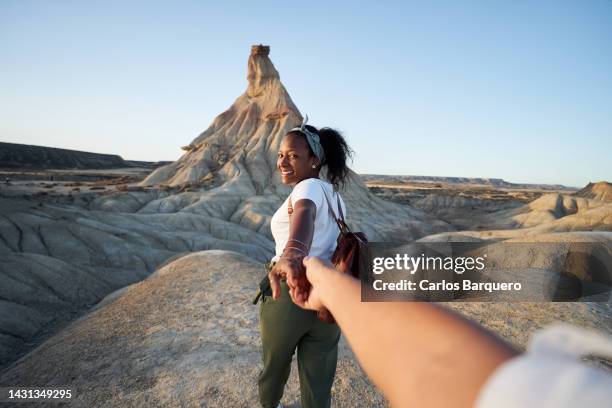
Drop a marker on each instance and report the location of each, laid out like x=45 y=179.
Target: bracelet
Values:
x=298 y=241
x=296 y=248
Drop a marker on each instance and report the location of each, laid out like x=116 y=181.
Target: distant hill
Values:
x=22 y=156
x=599 y=191
x=494 y=182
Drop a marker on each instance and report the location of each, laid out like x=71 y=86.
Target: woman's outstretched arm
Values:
x=301 y=230
x=418 y=354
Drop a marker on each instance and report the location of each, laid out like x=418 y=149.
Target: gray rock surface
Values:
x=187 y=335
x=56 y=261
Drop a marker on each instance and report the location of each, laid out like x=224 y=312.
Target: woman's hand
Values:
x=288 y=267
x=316 y=272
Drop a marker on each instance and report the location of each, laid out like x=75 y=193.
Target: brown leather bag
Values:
x=346 y=256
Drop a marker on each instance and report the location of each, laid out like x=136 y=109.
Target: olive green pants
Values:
x=285 y=326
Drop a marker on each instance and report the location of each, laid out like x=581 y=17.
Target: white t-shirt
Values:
x=550 y=375
x=325 y=229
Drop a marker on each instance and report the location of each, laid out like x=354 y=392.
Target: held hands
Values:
x=316 y=272
x=305 y=278
x=289 y=267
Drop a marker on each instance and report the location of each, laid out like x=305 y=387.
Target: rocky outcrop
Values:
x=57 y=261
x=549 y=208
x=242 y=142
x=598 y=191
x=232 y=168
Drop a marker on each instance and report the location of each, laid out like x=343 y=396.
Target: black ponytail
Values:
x=337 y=152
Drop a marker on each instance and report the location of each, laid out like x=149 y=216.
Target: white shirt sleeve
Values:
x=310 y=189
x=549 y=374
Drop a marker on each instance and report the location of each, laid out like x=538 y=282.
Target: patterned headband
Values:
x=312 y=138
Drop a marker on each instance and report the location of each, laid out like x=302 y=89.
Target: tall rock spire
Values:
x=261 y=71
x=230 y=168
x=247 y=135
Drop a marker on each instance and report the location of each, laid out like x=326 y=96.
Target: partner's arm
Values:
x=418 y=354
x=301 y=231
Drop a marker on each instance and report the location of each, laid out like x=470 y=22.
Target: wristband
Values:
x=296 y=248
x=298 y=241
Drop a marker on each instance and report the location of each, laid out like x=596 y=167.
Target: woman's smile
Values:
x=286 y=176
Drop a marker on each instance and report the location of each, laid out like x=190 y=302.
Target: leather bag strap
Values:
x=339 y=221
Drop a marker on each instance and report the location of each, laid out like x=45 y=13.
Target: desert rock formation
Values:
x=177 y=259
x=56 y=261
x=600 y=191
x=242 y=142
x=548 y=208
x=231 y=168
x=550 y=214
x=480 y=181
x=220 y=194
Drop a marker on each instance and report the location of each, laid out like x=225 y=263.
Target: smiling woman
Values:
x=302 y=226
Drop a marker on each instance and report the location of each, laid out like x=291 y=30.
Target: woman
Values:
x=309 y=230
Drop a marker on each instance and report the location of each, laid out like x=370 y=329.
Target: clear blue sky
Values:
x=520 y=90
